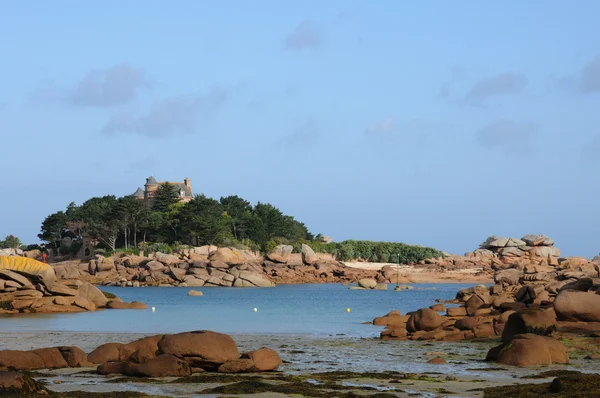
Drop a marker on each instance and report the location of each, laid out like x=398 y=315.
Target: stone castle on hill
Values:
x=183 y=189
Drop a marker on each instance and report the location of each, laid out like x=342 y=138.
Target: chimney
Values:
x=187 y=182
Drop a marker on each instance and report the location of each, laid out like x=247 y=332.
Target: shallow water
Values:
x=308 y=309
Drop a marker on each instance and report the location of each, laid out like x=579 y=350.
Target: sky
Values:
x=432 y=122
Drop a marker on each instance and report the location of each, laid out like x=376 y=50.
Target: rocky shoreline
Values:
x=542 y=310
x=532 y=303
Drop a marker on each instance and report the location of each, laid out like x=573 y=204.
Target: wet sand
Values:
x=464 y=374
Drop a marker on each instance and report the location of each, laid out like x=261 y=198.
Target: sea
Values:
x=316 y=310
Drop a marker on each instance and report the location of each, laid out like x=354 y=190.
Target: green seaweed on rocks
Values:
x=108 y=295
x=569 y=386
x=294 y=389
x=552 y=373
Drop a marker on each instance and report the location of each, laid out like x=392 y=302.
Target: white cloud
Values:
x=384 y=126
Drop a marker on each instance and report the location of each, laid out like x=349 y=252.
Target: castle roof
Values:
x=179 y=187
x=151 y=181
x=139 y=193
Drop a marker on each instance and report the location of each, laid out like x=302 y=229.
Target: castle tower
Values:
x=151 y=187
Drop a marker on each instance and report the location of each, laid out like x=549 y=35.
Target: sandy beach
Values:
x=424 y=275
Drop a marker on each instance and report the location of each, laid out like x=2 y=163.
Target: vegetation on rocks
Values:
x=128 y=224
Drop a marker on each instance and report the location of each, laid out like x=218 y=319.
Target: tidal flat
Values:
x=335 y=366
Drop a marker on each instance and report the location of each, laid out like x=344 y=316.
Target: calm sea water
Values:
x=314 y=309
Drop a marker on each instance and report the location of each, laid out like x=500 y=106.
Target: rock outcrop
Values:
x=179 y=354
x=29 y=286
x=529 y=350
x=154 y=356
x=211 y=266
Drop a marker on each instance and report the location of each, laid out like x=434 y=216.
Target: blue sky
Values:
x=435 y=123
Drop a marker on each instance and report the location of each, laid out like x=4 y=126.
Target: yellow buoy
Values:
x=153 y=309
x=347 y=309
x=255 y=309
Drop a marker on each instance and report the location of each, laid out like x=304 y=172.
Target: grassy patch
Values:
x=108 y=295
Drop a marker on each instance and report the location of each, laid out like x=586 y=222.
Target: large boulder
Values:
x=244 y=365
x=154 y=266
x=165 y=365
x=514 y=242
x=13 y=276
x=20 y=384
x=509 y=276
x=540 y=321
x=494 y=242
x=537 y=240
x=572 y=305
x=253 y=278
x=147 y=345
x=108 y=352
x=205 y=250
x=529 y=350
x=61 y=290
x=424 y=319
x=367 y=283
x=29 y=267
x=206 y=349
x=52 y=358
x=21 y=360
x=475 y=302
x=281 y=253
x=544 y=251
x=166 y=259
x=74 y=356
x=119 y=305
x=177 y=273
x=265 y=359
x=228 y=255
x=93 y=294
x=309 y=256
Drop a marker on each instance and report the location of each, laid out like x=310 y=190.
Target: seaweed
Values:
x=568 y=386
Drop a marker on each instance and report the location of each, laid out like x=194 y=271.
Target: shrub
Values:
x=376 y=251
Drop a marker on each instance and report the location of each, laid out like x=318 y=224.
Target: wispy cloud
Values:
x=306 y=35
x=304 y=133
x=457 y=74
x=114 y=86
x=509 y=135
x=588 y=81
x=383 y=126
x=181 y=115
x=502 y=84
x=592 y=150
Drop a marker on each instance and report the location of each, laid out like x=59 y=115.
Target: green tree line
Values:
x=126 y=222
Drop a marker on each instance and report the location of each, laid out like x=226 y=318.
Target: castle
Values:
x=184 y=190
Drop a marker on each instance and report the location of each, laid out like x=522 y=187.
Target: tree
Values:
x=53 y=227
x=166 y=195
x=277 y=224
x=99 y=217
x=133 y=213
x=10 y=242
x=238 y=210
x=204 y=220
